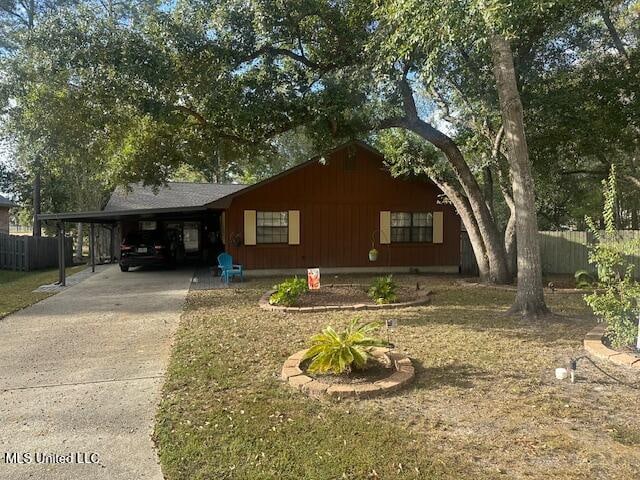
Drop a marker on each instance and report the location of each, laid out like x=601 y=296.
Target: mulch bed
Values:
x=349 y=295
x=376 y=370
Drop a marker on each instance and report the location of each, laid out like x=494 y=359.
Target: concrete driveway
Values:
x=80 y=374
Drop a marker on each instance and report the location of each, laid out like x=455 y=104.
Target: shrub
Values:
x=288 y=292
x=383 y=290
x=583 y=279
x=338 y=353
x=617 y=301
x=618 y=306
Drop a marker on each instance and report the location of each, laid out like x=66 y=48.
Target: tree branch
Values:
x=580 y=171
x=617 y=41
x=634 y=180
x=283 y=52
x=190 y=111
x=408 y=101
x=15 y=14
x=497 y=143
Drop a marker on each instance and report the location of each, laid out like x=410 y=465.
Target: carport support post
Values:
x=92 y=245
x=62 y=274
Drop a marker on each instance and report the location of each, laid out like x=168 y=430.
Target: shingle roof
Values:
x=172 y=195
x=5 y=202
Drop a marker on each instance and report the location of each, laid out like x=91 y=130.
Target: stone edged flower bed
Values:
x=424 y=298
x=403 y=373
x=594 y=345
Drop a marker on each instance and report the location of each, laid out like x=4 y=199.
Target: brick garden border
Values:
x=264 y=303
x=593 y=345
x=403 y=375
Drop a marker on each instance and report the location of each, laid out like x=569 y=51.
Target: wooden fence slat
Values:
x=25 y=253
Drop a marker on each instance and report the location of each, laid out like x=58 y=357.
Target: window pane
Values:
x=422 y=219
x=400 y=219
x=272 y=219
x=148 y=225
x=191 y=236
x=272 y=235
x=422 y=234
x=400 y=234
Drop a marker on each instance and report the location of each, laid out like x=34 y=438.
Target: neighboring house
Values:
x=5 y=205
x=327 y=212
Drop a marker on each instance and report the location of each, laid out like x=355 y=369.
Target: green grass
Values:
x=484 y=404
x=16 y=288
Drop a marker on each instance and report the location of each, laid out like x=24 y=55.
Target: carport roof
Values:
x=143 y=201
x=5 y=202
x=172 y=195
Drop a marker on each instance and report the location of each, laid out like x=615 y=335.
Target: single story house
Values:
x=327 y=212
x=5 y=206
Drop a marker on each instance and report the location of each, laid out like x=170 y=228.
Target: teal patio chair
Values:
x=227 y=268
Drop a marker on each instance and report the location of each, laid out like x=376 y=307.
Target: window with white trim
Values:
x=407 y=227
x=272 y=227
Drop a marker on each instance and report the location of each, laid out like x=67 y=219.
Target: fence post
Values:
x=92 y=245
x=27 y=255
x=62 y=279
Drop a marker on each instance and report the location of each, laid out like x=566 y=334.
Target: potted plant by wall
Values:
x=373 y=253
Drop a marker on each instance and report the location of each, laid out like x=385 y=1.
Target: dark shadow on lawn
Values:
x=451 y=375
x=549 y=329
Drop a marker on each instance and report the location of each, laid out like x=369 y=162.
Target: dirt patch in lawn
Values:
x=350 y=295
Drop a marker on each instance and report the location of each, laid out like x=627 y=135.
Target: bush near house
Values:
x=288 y=292
x=383 y=290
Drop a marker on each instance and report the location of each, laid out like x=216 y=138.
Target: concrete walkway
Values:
x=71 y=280
x=81 y=372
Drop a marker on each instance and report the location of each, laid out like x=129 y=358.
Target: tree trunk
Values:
x=79 y=241
x=510 y=242
x=487 y=228
x=466 y=215
x=37 y=204
x=487 y=177
x=510 y=229
x=530 y=295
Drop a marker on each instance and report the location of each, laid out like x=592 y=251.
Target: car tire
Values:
x=124 y=268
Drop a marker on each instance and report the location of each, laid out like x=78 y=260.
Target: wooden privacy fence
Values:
x=568 y=251
x=562 y=252
x=27 y=253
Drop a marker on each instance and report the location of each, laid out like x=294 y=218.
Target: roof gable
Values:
x=313 y=160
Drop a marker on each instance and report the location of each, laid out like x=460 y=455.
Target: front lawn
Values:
x=484 y=404
x=16 y=288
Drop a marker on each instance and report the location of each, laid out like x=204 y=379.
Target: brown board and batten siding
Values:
x=340 y=202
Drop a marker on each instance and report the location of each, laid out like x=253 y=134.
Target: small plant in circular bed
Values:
x=341 y=352
x=383 y=290
x=288 y=292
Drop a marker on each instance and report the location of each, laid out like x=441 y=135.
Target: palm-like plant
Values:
x=337 y=353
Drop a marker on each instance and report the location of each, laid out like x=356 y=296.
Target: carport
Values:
x=112 y=220
x=194 y=207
